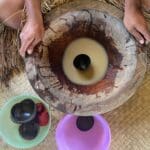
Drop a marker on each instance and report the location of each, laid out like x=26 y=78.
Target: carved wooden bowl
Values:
x=125 y=72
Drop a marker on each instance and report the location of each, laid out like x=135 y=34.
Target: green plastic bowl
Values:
x=9 y=130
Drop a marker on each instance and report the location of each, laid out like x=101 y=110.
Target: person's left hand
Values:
x=32 y=33
x=136 y=24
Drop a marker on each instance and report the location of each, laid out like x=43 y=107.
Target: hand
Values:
x=146 y=5
x=32 y=33
x=136 y=24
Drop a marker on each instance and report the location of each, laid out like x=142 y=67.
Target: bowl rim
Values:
x=100 y=102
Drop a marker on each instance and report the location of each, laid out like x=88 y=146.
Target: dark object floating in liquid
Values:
x=82 y=62
x=85 y=123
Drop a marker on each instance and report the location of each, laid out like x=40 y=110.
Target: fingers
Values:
x=25 y=43
x=137 y=26
x=29 y=39
x=32 y=45
x=145 y=32
x=137 y=35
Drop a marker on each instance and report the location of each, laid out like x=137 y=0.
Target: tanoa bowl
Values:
x=126 y=66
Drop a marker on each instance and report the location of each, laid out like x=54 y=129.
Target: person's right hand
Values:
x=32 y=33
x=136 y=24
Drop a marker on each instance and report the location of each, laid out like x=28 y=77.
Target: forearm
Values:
x=132 y=4
x=33 y=8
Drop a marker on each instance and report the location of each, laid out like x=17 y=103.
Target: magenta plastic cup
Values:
x=83 y=133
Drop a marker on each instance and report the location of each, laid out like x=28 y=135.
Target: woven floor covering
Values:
x=130 y=123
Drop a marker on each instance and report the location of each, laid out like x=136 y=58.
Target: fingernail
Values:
x=141 y=41
x=22 y=55
x=30 y=51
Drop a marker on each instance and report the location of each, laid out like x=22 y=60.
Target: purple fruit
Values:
x=29 y=130
x=23 y=112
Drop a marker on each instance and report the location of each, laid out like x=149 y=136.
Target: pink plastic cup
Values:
x=70 y=137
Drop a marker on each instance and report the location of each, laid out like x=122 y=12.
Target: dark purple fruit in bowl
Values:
x=29 y=130
x=23 y=112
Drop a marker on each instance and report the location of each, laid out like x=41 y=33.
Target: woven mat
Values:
x=130 y=123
